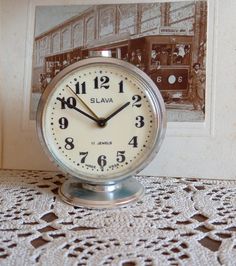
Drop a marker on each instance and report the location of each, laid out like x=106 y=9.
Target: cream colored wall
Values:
x=20 y=145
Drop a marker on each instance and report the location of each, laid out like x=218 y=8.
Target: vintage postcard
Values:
x=167 y=40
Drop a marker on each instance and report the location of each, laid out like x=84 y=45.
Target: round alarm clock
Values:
x=101 y=120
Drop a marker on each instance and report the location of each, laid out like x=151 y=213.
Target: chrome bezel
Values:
x=156 y=102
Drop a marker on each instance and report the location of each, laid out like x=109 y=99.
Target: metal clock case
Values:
x=101 y=120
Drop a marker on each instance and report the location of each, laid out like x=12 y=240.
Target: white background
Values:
x=206 y=150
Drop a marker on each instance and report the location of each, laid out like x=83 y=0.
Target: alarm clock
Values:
x=101 y=121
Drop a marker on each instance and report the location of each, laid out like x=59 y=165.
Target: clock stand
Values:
x=122 y=193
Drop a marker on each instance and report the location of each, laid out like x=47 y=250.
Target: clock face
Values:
x=101 y=121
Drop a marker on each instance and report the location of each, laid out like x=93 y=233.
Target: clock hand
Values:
x=82 y=101
x=103 y=121
x=77 y=109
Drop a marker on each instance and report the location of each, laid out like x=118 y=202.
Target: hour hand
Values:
x=103 y=121
x=77 y=109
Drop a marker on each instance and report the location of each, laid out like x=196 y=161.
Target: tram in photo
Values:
x=166 y=59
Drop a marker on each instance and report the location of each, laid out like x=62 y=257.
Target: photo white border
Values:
x=174 y=129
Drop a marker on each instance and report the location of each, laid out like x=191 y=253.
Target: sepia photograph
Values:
x=166 y=40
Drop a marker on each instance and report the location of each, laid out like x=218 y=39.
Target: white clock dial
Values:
x=101 y=122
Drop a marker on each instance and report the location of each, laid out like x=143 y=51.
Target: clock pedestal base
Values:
x=101 y=196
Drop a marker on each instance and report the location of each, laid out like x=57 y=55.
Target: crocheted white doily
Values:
x=178 y=222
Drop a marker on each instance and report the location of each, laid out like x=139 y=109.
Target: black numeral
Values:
x=134 y=142
x=136 y=101
x=140 y=121
x=120 y=157
x=102 y=160
x=101 y=82
x=69 y=144
x=69 y=102
x=80 y=88
x=84 y=155
x=63 y=122
x=121 y=86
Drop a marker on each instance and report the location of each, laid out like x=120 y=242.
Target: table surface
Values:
x=178 y=222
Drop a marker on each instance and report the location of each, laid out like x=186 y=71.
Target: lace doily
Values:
x=178 y=222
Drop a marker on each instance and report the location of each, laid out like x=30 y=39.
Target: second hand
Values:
x=85 y=105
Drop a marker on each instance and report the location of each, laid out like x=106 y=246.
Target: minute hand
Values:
x=77 y=109
x=83 y=102
x=116 y=112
